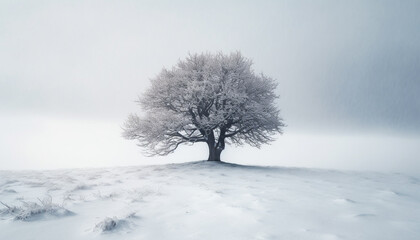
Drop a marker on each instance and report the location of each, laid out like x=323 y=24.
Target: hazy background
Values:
x=348 y=73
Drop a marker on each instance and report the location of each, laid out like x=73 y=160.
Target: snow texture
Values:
x=204 y=200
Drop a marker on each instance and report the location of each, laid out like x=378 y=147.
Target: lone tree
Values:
x=211 y=98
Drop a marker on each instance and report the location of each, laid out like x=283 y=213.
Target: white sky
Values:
x=348 y=74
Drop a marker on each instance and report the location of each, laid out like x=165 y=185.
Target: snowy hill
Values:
x=203 y=200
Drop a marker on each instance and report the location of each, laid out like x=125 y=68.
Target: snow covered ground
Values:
x=203 y=200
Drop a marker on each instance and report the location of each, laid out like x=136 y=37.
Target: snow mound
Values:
x=109 y=224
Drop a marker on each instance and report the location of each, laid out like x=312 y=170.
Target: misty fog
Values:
x=348 y=76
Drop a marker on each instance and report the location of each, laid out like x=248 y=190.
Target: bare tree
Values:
x=211 y=98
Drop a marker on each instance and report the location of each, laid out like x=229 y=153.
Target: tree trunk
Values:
x=215 y=149
x=214 y=153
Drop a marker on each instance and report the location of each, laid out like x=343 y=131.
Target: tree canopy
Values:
x=212 y=98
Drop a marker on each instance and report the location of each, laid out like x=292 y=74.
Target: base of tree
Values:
x=214 y=160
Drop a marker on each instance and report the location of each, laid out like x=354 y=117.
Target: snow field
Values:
x=204 y=200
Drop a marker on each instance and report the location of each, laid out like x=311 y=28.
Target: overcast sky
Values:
x=348 y=73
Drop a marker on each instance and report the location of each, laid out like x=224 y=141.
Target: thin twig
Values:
x=5 y=205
